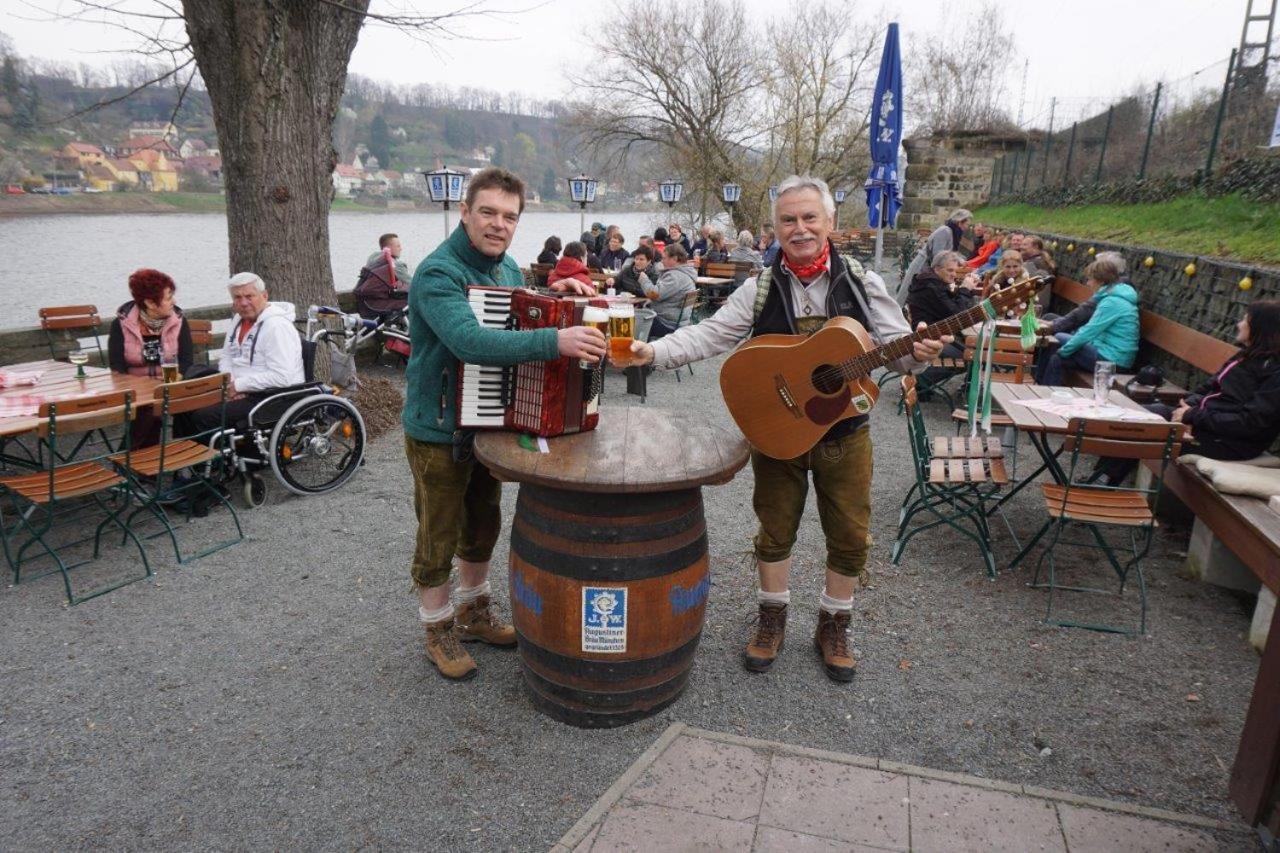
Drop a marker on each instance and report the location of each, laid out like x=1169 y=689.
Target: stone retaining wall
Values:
x=947 y=171
x=1210 y=300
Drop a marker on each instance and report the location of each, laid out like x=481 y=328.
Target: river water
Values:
x=73 y=259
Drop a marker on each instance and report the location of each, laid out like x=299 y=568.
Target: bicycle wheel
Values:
x=317 y=445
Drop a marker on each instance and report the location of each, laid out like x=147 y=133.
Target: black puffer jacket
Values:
x=931 y=299
x=1236 y=414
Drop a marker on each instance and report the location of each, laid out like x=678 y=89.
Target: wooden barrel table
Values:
x=609 y=574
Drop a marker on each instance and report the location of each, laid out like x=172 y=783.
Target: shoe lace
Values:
x=480 y=612
x=448 y=642
x=768 y=624
x=839 y=628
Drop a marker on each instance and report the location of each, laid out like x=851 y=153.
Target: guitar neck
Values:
x=901 y=347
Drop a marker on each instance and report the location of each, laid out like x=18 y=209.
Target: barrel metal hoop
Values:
x=607 y=671
x=593 y=702
x=608 y=506
x=609 y=533
x=607 y=569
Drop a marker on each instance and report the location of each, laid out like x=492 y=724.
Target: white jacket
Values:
x=270 y=356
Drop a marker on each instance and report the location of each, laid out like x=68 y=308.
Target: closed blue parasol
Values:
x=883 y=199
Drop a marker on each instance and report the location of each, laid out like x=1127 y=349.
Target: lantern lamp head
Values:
x=731 y=193
x=670 y=191
x=445 y=185
x=582 y=190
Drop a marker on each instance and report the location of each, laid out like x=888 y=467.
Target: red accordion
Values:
x=540 y=397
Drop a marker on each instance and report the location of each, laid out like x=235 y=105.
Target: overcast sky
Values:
x=1084 y=52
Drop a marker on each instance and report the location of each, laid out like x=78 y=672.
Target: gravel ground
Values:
x=276 y=695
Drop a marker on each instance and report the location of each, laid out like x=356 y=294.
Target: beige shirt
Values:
x=731 y=325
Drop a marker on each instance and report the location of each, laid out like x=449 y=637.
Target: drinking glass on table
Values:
x=169 y=368
x=1103 y=372
x=79 y=358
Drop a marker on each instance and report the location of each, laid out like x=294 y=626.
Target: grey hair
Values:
x=746 y=240
x=240 y=279
x=941 y=259
x=960 y=214
x=795 y=183
x=1117 y=260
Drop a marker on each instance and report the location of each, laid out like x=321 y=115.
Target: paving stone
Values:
x=1095 y=831
x=851 y=804
x=643 y=827
x=699 y=775
x=585 y=845
x=950 y=817
x=772 y=840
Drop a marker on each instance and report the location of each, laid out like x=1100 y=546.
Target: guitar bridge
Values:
x=788 y=400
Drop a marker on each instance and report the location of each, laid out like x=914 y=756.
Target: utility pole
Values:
x=1048 y=141
x=1022 y=94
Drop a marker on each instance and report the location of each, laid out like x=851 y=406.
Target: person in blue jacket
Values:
x=1110 y=335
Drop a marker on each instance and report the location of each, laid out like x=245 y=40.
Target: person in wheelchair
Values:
x=263 y=352
x=383 y=286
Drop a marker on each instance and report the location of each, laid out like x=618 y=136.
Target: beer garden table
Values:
x=712 y=281
x=609 y=571
x=58 y=380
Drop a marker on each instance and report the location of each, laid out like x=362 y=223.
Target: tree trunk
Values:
x=275 y=71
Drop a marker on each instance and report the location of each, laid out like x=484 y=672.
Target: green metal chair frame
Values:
x=1081 y=501
x=960 y=506
x=56 y=495
x=196 y=453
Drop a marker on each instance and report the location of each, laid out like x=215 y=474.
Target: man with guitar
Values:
x=807 y=283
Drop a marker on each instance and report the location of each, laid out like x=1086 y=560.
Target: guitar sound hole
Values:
x=827 y=379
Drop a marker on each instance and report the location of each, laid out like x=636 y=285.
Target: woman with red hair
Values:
x=149 y=328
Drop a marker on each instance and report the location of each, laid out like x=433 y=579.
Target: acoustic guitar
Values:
x=786 y=391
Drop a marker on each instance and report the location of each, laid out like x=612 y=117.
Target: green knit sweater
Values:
x=444 y=331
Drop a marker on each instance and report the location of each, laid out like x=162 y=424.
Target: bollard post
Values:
x=1151 y=126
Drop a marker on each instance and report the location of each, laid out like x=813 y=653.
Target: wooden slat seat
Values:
x=1101 y=506
x=967 y=470
x=69 y=481
x=177 y=454
x=965 y=447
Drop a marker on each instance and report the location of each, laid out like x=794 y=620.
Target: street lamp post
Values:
x=839 y=197
x=731 y=193
x=583 y=192
x=445 y=186
x=669 y=193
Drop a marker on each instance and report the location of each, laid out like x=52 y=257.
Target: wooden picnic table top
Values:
x=712 y=281
x=634 y=449
x=1039 y=420
x=58 y=379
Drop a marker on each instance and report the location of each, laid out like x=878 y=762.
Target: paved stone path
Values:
x=702 y=790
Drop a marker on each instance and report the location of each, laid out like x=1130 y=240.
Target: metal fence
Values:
x=1182 y=128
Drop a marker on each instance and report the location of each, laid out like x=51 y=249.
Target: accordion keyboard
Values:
x=481 y=403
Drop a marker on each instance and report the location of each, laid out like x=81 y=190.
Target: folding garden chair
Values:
x=160 y=464
x=57 y=497
x=954 y=477
x=201 y=338
x=1093 y=506
x=688 y=308
x=64 y=326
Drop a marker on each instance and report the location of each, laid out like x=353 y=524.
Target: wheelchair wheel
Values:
x=254 y=491
x=318 y=444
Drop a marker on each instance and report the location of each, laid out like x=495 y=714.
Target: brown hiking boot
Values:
x=771 y=625
x=446 y=653
x=832 y=640
x=477 y=621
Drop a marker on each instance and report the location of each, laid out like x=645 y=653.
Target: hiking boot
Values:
x=832 y=641
x=763 y=649
x=446 y=653
x=478 y=622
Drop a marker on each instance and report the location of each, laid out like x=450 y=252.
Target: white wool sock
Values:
x=835 y=605
x=430 y=616
x=783 y=597
x=466 y=594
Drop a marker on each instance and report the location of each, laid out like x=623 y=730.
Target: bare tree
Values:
x=690 y=90
x=275 y=71
x=819 y=90
x=958 y=76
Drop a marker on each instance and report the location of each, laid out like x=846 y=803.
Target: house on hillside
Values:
x=134 y=144
x=122 y=171
x=347 y=180
x=165 y=130
x=79 y=155
x=155 y=172
x=206 y=166
x=192 y=147
x=99 y=176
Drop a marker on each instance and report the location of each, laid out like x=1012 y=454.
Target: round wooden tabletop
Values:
x=633 y=449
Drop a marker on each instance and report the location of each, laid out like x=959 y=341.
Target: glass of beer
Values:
x=169 y=369
x=622 y=324
x=597 y=317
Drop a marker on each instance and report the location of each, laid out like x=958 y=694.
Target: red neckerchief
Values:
x=812 y=270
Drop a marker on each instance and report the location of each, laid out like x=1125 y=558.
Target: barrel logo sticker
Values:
x=604 y=619
x=525 y=594
x=683 y=600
